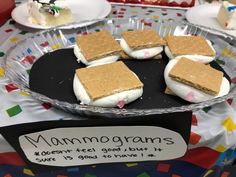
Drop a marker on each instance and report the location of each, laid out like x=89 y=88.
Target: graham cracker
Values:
x=97 y=45
x=157 y=57
x=189 y=45
x=232 y=1
x=140 y=39
x=108 y=79
x=168 y=91
x=197 y=75
x=123 y=55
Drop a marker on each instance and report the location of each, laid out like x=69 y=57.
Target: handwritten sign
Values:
x=62 y=147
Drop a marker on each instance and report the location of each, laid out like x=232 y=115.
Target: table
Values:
x=213 y=133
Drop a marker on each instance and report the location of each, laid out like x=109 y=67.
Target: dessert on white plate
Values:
x=49 y=12
x=193 y=47
x=141 y=44
x=107 y=85
x=227 y=15
x=97 y=48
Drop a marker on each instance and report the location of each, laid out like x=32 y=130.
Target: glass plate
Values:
x=21 y=57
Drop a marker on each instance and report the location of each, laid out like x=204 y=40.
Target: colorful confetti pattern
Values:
x=212 y=142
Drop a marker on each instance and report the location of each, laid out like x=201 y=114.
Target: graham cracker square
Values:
x=168 y=91
x=232 y=1
x=197 y=75
x=97 y=45
x=189 y=45
x=139 y=39
x=108 y=79
x=123 y=55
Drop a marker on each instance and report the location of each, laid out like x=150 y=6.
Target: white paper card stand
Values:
x=62 y=147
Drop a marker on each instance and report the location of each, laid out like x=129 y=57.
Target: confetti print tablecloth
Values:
x=213 y=134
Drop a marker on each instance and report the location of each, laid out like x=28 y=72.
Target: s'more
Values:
x=96 y=48
x=142 y=44
x=107 y=85
x=193 y=47
x=194 y=81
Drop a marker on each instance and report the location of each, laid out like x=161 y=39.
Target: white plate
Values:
x=205 y=15
x=82 y=10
